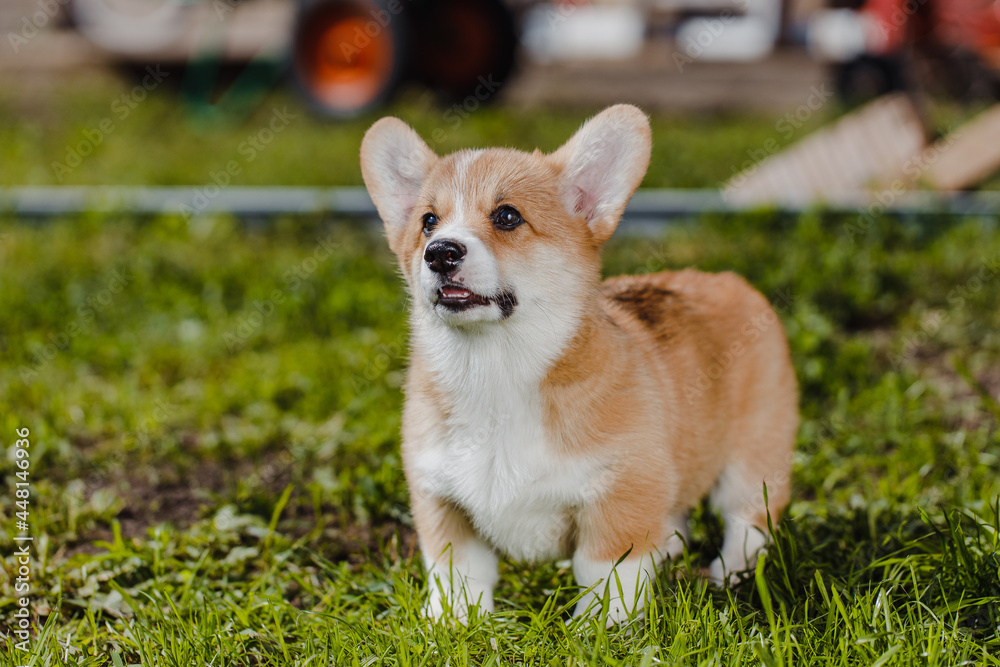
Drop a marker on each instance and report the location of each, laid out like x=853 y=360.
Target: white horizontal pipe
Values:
x=45 y=201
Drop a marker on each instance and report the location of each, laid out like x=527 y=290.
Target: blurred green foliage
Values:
x=76 y=134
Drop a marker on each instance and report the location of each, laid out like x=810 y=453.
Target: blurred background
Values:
x=89 y=85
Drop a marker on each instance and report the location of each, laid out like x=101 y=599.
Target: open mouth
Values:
x=457 y=298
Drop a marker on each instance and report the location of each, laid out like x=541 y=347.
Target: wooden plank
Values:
x=966 y=156
x=863 y=149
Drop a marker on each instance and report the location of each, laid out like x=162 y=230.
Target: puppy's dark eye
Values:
x=430 y=222
x=506 y=218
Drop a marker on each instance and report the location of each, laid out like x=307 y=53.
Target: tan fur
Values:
x=631 y=381
x=676 y=374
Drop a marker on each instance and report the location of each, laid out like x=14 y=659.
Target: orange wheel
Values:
x=348 y=55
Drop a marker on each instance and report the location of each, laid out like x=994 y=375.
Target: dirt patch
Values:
x=990 y=380
x=152 y=496
x=940 y=368
x=359 y=544
x=167 y=493
x=937 y=365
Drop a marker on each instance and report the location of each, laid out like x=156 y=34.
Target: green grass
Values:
x=214 y=487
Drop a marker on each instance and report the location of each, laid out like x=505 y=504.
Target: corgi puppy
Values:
x=549 y=415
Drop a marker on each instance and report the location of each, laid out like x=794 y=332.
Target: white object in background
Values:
x=840 y=35
x=131 y=27
x=741 y=39
x=733 y=38
x=583 y=32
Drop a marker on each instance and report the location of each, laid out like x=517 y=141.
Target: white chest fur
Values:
x=495 y=463
x=500 y=470
x=492 y=456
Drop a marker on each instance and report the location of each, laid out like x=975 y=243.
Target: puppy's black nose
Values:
x=444 y=256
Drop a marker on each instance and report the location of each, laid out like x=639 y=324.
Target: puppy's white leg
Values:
x=461 y=568
x=614 y=525
x=742 y=544
x=627 y=585
x=676 y=530
x=739 y=496
x=463 y=576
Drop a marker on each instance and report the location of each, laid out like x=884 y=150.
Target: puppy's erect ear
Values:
x=603 y=164
x=394 y=162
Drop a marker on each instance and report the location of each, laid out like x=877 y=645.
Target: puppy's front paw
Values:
x=457 y=607
x=440 y=606
x=434 y=608
x=625 y=583
x=719 y=576
x=618 y=611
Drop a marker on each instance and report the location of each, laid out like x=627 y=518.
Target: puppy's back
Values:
x=725 y=365
x=713 y=315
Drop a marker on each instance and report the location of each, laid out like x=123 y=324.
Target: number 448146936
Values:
x=22 y=461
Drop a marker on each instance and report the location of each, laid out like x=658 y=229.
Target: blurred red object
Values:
x=876 y=47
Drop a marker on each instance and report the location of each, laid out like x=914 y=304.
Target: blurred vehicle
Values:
x=885 y=45
x=345 y=56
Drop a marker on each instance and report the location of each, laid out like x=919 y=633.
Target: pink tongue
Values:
x=455 y=293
